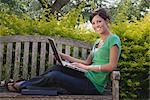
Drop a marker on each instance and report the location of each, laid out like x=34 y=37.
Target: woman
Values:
x=102 y=60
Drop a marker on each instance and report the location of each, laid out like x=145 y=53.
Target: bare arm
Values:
x=107 y=67
x=72 y=59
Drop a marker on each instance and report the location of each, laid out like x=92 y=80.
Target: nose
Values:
x=97 y=25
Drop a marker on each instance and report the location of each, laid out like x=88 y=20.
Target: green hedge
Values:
x=65 y=27
x=134 y=61
x=135 y=58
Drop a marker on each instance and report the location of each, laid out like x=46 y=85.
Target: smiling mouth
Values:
x=97 y=29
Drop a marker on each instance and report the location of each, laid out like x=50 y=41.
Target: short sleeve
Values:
x=115 y=40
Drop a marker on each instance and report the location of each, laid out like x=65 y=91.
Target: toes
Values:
x=11 y=87
x=14 y=86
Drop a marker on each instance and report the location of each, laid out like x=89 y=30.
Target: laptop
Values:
x=59 y=59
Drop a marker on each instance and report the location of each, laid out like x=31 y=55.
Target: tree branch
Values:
x=58 y=4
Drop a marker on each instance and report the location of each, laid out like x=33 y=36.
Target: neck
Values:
x=105 y=35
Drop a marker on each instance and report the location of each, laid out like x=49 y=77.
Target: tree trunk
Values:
x=58 y=4
x=44 y=4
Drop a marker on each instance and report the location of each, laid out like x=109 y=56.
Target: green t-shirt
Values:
x=101 y=57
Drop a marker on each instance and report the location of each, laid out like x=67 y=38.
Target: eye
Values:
x=93 y=23
x=99 y=21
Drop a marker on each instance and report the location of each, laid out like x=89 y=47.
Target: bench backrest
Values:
x=28 y=56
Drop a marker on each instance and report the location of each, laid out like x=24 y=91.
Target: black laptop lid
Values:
x=55 y=51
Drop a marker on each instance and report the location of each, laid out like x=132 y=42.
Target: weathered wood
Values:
x=17 y=96
x=25 y=60
x=75 y=52
x=50 y=57
x=67 y=50
x=1 y=59
x=34 y=59
x=59 y=46
x=58 y=40
x=8 y=60
x=17 y=61
x=42 y=58
x=115 y=84
x=84 y=53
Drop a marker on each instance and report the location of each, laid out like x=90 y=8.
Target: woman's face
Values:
x=99 y=24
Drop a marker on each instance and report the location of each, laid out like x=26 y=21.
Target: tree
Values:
x=64 y=6
x=58 y=4
x=130 y=10
x=18 y=7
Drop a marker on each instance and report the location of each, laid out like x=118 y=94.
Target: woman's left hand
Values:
x=81 y=65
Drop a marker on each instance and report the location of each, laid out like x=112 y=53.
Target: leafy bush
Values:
x=134 y=61
x=65 y=27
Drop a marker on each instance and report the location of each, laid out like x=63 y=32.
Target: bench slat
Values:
x=75 y=52
x=31 y=38
x=59 y=46
x=42 y=58
x=74 y=43
x=17 y=61
x=1 y=59
x=67 y=50
x=25 y=60
x=84 y=53
x=50 y=57
x=34 y=59
x=8 y=60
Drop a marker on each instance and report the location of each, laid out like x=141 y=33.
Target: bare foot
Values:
x=11 y=87
x=14 y=87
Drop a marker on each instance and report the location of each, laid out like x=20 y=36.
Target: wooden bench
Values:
x=28 y=56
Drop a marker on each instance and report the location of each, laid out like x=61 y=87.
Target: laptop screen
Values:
x=58 y=58
x=55 y=51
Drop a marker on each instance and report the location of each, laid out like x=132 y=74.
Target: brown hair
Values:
x=102 y=13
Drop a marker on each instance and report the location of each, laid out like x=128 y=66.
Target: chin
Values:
x=100 y=32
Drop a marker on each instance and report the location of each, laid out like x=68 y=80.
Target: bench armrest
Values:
x=115 y=77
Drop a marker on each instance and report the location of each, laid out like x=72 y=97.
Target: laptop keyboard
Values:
x=67 y=64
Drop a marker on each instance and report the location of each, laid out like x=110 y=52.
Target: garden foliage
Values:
x=135 y=57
